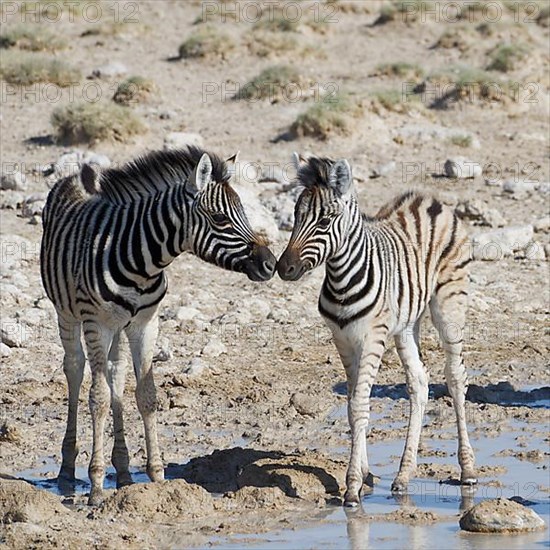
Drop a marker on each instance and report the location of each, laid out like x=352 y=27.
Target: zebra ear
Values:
x=203 y=172
x=340 y=178
x=231 y=163
x=298 y=160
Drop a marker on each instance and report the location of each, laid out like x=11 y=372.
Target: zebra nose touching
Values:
x=262 y=264
x=290 y=267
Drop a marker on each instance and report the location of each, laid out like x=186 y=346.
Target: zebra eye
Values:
x=324 y=223
x=220 y=218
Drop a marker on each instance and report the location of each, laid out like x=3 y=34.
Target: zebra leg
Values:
x=142 y=339
x=448 y=309
x=98 y=342
x=70 y=332
x=117 y=379
x=361 y=364
x=417 y=385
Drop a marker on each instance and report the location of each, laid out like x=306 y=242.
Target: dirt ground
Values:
x=258 y=439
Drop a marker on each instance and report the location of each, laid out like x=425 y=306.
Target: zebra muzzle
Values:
x=290 y=267
x=261 y=264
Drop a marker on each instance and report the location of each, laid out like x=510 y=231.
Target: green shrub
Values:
x=134 y=89
x=206 y=42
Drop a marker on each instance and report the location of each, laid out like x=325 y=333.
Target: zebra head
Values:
x=221 y=232
x=321 y=215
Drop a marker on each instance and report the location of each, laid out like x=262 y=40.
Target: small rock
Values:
x=257 y=307
x=501 y=516
x=13 y=333
x=11 y=200
x=273 y=172
x=542 y=225
x=306 y=404
x=543 y=188
x=462 y=168
x=33 y=205
x=518 y=187
x=384 y=169
x=114 y=68
x=429 y=132
x=5 y=351
x=534 y=251
x=70 y=163
x=164 y=353
x=494 y=245
x=13 y=181
x=167 y=115
x=180 y=140
x=247 y=172
x=479 y=212
x=196 y=366
x=214 y=348
x=186 y=313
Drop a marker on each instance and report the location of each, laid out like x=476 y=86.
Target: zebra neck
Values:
x=156 y=233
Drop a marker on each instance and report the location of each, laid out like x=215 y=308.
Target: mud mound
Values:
x=218 y=472
x=257 y=497
x=21 y=502
x=412 y=516
x=159 y=501
x=309 y=476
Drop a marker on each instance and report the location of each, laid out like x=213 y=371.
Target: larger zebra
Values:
x=381 y=275
x=108 y=238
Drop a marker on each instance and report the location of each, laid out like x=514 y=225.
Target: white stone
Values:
x=114 y=68
x=382 y=170
x=499 y=243
x=5 y=351
x=478 y=211
x=13 y=333
x=274 y=173
x=214 y=348
x=543 y=188
x=186 y=313
x=13 y=181
x=534 y=251
x=70 y=163
x=163 y=351
x=518 y=187
x=542 y=225
x=247 y=172
x=429 y=132
x=462 y=168
x=196 y=366
x=257 y=307
x=181 y=140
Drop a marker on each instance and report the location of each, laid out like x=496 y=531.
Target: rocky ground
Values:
x=252 y=406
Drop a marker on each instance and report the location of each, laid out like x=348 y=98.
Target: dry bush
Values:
x=135 y=89
x=460 y=37
x=405 y=11
x=27 y=69
x=87 y=122
x=334 y=115
x=507 y=57
x=271 y=44
x=31 y=37
x=206 y=42
x=271 y=83
x=401 y=69
x=396 y=101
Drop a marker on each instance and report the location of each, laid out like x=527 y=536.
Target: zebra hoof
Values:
x=123 y=481
x=468 y=480
x=351 y=500
x=156 y=473
x=399 y=487
x=96 y=497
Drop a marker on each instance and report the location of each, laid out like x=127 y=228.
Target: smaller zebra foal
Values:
x=108 y=238
x=381 y=275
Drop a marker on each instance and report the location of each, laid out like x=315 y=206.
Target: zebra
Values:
x=381 y=274
x=108 y=238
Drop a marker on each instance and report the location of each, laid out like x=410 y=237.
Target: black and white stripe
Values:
x=382 y=273
x=108 y=238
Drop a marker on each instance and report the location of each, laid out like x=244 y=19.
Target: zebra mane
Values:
x=156 y=172
x=315 y=172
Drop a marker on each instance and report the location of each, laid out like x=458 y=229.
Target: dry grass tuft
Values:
x=206 y=42
x=271 y=83
x=333 y=115
x=35 y=38
x=401 y=69
x=92 y=122
x=27 y=69
x=507 y=57
x=135 y=89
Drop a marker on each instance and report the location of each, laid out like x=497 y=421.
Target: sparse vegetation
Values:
x=31 y=37
x=507 y=57
x=460 y=37
x=206 y=42
x=461 y=140
x=402 y=69
x=271 y=83
x=26 y=69
x=543 y=18
x=87 y=122
x=396 y=101
x=271 y=44
x=135 y=89
x=406 y=11
x=275 y=21
x=333 y=115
